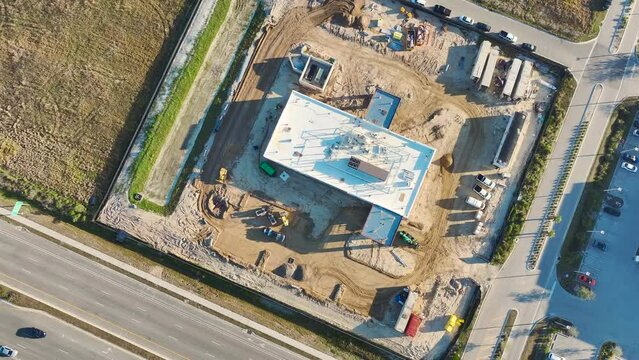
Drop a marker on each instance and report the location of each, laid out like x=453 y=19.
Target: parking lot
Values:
x=612 y=315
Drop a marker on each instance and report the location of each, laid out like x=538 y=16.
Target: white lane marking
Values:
x=104 y=292
x=99 y=304
x=62 y=351
x=108 y=350
x=135 y=320
x=31 y=258
x=172 y=338
x=179 y=326
x=552 y=290
x=62 y=287
x=215 y=342
x=22 y=346
x=25 y=270
x=141 y=308
x=211 y=355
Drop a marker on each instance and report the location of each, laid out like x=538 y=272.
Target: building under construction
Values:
x=353 y=155
x=510 y=140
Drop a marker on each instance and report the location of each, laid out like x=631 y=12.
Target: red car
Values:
x=586 y=280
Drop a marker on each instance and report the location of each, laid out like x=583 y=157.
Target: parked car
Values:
x=508 y=36
x=482 y=192
x=552 y=356
x=562 y=323
x=476 y=203
x=600 y=245
x=271 y=219
x=421 y=3
x=261 y=211
x=274 y=234
x=586 y=279
x=528 y=46
x=7 y=351
x=635 y=132
x=630 y=158
x=612 y=211
x=485 y=181
x=628 y=166
x=466 y=20
x=482 y=27
x=614 y=201
x=442 y=10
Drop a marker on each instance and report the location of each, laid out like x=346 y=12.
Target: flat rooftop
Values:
x=382 y=108
x=356 y=156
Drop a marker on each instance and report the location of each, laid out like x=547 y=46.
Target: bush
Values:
x=608 y=351
x=517 y=214
x=585 y=293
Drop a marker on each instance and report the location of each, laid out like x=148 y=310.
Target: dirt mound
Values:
x=300 y=273
x=447 y=161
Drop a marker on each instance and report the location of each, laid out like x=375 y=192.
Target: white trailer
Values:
x=480 y=61
x=512 y=77
x=487 y=77
x=524 y=80
x=407 y=309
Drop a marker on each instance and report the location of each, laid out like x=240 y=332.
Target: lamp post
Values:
x=614 y=189
x=632 y=149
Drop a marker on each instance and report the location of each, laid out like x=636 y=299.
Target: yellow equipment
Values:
x=453 y=321
x=402 y=10
x=222 y=177
x=409 y=15
x=284 y=220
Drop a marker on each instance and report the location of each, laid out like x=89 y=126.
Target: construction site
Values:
x=362 y=170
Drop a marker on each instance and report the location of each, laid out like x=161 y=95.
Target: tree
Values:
x=585 y=293
x=558 y=219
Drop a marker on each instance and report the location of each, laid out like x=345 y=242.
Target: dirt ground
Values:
x=176 y=148
x=75 y=78
x=440 y=108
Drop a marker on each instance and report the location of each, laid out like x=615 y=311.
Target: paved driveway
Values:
x=613 y=314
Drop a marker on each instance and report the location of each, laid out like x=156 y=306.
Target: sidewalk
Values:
x=152 y=279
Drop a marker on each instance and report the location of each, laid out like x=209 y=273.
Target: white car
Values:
x=635 y=132
x=482 y=192
x=6 y=351
x=628 y=166
x=466 y=20
x=508 y=36
x=485 y=181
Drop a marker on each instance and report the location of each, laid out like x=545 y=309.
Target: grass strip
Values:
x=215 y=110
x=456 y=351
x=592 y=198
x=560 y=31
x=22 y=300
x=505 y=334
x=158 y=132
x=534 y=171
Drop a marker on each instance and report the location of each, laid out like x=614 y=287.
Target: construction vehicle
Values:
x=420 y=36
x=410 y=39
x=408 y=238
x=222 y=176
x=284 y=219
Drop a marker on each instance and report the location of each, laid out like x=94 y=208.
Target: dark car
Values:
x=562 y=323
x=483 y=27
x=611 y=211
x=630 y=158
x=442 y=10
x=600 y=245
x=528 y=46
x=31 y=332
x=614 y=201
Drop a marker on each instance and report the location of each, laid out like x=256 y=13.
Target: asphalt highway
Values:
x=126 y=307
x=63 y=341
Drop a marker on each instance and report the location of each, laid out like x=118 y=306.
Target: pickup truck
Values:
x=442 y=10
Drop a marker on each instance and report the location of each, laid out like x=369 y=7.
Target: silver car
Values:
x=482 y=192
x=6 y=351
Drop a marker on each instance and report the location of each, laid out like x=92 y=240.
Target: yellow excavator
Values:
x=222 y=177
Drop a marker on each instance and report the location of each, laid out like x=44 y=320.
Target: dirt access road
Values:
x=238 y=122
